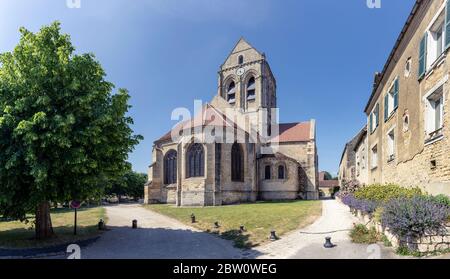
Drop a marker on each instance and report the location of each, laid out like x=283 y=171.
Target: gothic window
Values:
x=231 y=93
x=240 y=59
x=281 y=172
x=267 y=173
x=251 y=87
x=195 y=161
x=237 y=166
x=170 y=167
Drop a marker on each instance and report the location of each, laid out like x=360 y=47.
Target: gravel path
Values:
x=307 y=243
x=158 y=237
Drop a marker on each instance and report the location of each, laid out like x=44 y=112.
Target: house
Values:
x=348 y=166
x=408 y=116
x=325 y=185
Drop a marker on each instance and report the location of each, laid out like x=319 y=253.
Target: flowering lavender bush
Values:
x=415 y=217
x=365 y=206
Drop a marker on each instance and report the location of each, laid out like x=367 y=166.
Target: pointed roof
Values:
x=241 y=45
x=208 y=116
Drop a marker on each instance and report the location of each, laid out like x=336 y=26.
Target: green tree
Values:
x=63 y=134
x=131 y=184
x=135 y=184
x=327 y=176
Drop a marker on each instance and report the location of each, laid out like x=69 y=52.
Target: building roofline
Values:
x=360 y=136
x=394 y=50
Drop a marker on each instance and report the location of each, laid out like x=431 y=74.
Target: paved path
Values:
x=307 y=243
x=158 y=237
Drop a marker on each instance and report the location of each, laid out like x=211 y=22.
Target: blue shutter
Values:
x=396 y=94
x=423 y=55
x=447 y=25
x=386 y=107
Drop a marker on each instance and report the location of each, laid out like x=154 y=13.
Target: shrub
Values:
x=442 y=199
x=378 y=214
x=384 y=193
x=415 y=217
x=361 y=234
x=365 y=206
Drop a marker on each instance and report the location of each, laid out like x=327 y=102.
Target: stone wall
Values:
x=415 y=162
x=306 y=154
x=425 y=244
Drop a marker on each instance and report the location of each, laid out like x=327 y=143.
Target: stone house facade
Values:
x=350 y=163
x=234 y=150
x=408 y=111
x=362 y=158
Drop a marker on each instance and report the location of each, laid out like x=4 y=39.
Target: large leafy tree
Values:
x=63 y=134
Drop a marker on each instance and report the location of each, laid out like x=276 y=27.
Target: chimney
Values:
x=376 y=79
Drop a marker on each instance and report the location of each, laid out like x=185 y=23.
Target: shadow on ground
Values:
x=162 y=243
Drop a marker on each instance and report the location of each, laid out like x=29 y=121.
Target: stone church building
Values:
x=234 y=150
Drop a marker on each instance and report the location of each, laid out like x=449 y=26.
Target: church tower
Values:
x=247 y=84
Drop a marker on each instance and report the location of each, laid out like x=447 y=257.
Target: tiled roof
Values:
x=293 y=132
x=328 y=183
x=208 y=116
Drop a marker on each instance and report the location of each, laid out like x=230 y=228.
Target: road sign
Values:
x=75 y=204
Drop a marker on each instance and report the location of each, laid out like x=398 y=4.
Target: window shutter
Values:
x=423 y=55
x=396 y=94
x=377 y=115
x=371 y=122
x=386 y=107
x=447 y=25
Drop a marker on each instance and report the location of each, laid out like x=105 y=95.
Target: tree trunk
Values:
x=43 y=227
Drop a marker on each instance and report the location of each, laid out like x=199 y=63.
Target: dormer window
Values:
x=240 y=59
x=231 y=93
x=251 y=88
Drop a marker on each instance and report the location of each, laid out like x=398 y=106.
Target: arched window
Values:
x=195 y=161
x=281 y=172
x=231 y=93
x=170 y=167
x=267 y=173
x=240 y=59
x=237 y=166
x=251 y=87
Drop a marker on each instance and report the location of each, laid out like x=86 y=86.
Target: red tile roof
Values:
x=292 y=132
x=288 y=132
x=328 y=183
x=209 y=116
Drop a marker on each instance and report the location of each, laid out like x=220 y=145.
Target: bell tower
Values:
x=246 y=82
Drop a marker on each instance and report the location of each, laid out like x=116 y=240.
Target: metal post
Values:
x=75 y=221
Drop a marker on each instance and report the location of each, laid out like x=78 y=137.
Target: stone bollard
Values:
x=273 y=236
x=101 y=225
x=328 y=243
x=134 y=224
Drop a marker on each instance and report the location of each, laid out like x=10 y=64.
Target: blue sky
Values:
x=167 y=53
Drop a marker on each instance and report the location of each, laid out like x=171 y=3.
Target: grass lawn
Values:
x=258 y=218
x=19 y=235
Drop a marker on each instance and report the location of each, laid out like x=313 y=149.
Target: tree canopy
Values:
x=64 y=135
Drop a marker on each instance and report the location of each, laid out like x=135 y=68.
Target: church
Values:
x=233 y=149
